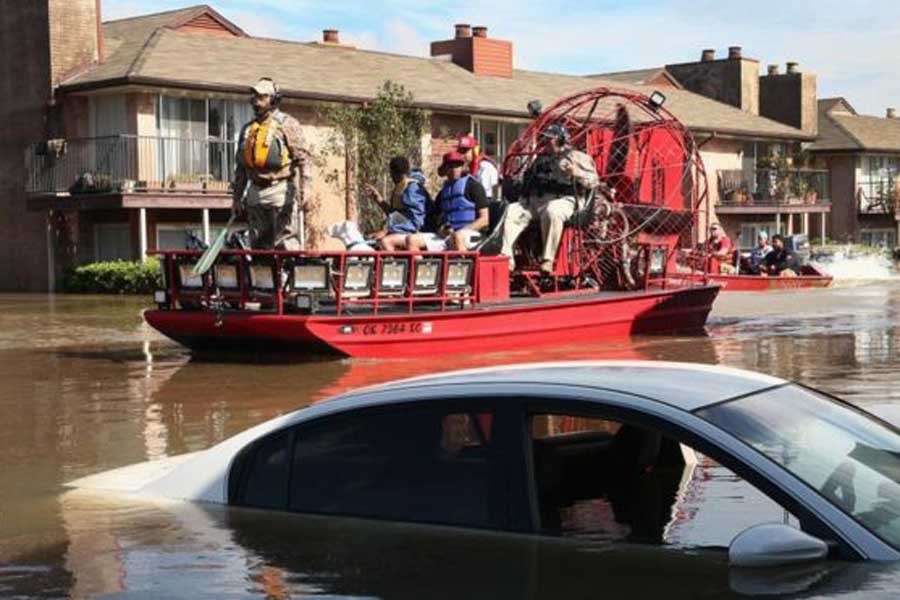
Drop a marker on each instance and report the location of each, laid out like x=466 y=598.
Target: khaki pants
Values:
x=272 y=216
x=553 y=211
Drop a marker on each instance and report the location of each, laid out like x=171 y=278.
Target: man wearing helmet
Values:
x=552 y=186
x=271 y=162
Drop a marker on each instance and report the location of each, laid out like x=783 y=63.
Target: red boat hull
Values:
x=755 y=283
x=484 y=329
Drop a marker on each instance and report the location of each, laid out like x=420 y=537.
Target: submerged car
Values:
x=595 y=450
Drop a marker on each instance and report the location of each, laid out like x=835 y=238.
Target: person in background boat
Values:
x=407 y=209
x=554 y=185
x=777 y=262
x=271 y=165
x=759 y=252
x=463 y=207
x=479 y=165
x=721 y=251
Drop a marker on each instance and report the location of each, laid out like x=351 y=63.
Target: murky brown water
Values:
x=85 y=386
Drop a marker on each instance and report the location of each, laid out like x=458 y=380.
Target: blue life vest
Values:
x=414 y=209
x=456 y=209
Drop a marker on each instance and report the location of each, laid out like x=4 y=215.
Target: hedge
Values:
x=114 y=277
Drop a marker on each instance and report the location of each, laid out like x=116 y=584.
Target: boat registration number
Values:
x=396 y=328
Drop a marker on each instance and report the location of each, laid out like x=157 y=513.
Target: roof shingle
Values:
x=147 y=52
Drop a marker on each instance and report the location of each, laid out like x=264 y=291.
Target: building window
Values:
x=879 y=184
x=112 y=241
x=199 y=137
x=495 y=137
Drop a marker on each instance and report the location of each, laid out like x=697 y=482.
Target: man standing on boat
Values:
x=554 y=185
x=270 y=165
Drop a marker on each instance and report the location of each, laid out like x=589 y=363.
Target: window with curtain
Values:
x=199 y=137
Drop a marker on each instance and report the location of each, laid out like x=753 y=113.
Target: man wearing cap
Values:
x=553 y=187
x=271 y=162
x=480 y=166
x=759 y=252
x=463 y=207
x=720 y=250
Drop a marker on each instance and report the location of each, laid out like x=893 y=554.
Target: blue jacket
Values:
x=457 y=210
x=414 y=205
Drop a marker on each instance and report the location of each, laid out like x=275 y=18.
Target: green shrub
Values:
x=114 y=277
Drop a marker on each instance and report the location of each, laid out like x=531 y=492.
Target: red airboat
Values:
x=613 y=274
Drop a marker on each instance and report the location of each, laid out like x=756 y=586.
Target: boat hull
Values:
x=484 y=329
x=756 y=283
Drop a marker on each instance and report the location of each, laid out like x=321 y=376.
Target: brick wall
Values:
x=445 y=131
x=24 y=91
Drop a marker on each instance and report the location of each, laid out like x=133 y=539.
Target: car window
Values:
x=414 y=464
x=604 y=480
x=266 y=476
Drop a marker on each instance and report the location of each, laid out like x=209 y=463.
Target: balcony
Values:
x=773 y=191
x=129 y=171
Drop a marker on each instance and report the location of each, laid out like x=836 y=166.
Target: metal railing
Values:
x=773 y=187
x=126 y=163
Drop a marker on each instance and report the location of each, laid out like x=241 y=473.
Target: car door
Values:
x=609 y=467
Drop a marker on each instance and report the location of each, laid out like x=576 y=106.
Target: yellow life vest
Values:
x=263 y=148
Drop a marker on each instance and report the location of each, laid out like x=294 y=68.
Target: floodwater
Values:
x=85 y=386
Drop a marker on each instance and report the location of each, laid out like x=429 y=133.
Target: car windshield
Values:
x=851 y=459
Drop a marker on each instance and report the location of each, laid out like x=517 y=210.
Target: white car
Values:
x=562 y=449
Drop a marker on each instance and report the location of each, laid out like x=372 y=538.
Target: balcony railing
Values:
x=126 y=163
x=770 y=187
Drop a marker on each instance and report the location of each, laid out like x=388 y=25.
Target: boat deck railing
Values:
x=335 y=283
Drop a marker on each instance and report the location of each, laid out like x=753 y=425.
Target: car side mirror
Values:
x=773 y=544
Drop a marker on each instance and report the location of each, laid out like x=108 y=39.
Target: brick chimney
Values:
x=473 y=50
x=331 y=36
x=733 y=80
x=76 y=36
x=790 y=98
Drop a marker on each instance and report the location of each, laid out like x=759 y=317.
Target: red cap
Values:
x=466 y=142
x=450 y=159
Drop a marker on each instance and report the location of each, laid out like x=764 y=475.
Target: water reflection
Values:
x=85 y=387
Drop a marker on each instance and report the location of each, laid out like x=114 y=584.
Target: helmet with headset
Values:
x=266 y=87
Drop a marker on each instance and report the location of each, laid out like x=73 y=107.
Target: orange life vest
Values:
x=262 y=147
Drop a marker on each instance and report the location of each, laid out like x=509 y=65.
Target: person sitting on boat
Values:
x=553 y=187
x=407 y=208
x=463 y=207
x=759 y=252
x=778 y=261
x=479 y=165
x=720 y=250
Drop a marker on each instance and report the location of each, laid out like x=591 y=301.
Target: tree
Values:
x=368 y=136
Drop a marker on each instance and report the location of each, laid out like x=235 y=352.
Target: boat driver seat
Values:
x=492 y=243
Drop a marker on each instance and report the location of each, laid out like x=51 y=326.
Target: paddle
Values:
x=209 y=256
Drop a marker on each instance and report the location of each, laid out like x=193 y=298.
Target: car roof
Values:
x=687 y=386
